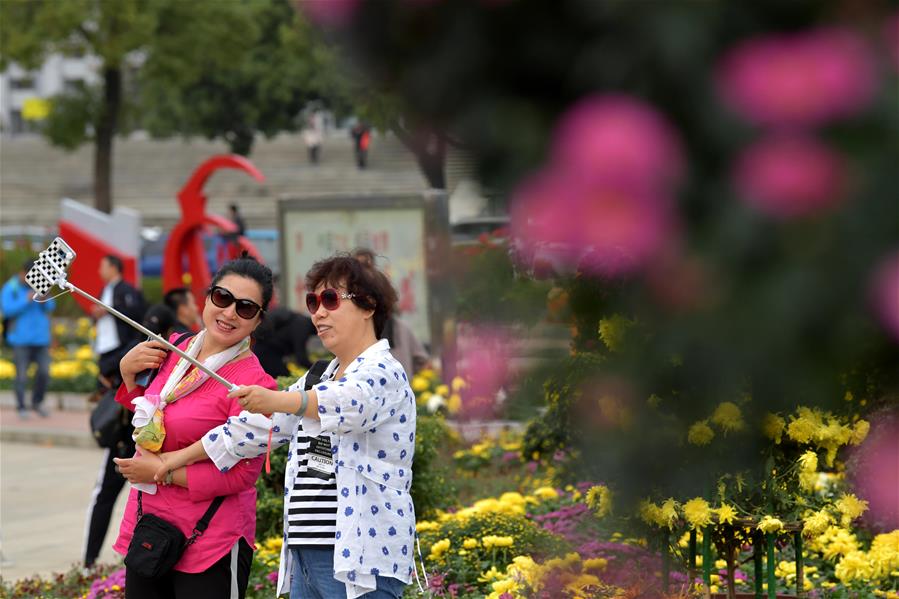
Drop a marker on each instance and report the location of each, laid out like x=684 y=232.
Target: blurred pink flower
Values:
x=601 y=206
x=875 y=475
x=595 y=226
x=618 y=137
x=885 y=294
x=330 y=13
x=680 y=282
x=799 y=79
x=891 y=37
x=486 y=351
x=788 y=176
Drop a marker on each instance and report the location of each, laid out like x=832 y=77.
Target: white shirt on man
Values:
x=107 y=333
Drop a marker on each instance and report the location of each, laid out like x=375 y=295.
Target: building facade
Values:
x=56 y=75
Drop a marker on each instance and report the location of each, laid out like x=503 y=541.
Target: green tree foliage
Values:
x=133 y=40
x=765 y=313
x=275 y=67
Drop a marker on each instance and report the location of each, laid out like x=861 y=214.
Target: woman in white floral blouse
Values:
x=349 y=522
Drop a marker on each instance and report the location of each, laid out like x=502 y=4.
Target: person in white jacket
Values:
x=349 y=522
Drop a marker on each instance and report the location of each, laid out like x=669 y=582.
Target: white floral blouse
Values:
x=371 y=413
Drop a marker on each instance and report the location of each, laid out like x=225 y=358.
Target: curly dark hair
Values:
x=372 y=289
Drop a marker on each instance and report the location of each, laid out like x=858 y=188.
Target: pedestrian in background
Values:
x=404 y=345
x=28 y=334
x=313 y=134
x=237 y=219
x=109 y=483
x=362 y=140
x=183 y=305
x=115 y=337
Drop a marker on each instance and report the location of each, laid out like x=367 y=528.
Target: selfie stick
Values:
x=58 y=278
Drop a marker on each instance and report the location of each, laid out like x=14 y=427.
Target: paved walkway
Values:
x=44 y=493
x=48 y=467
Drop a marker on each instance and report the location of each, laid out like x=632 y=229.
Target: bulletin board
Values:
x=408 y=232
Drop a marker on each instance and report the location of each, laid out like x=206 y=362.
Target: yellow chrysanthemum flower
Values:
x=544 y=493
x=834 y=542
x=697 y=512
x=700 y=433
x=419 y=384
x=802 y=428
x=770 y=524
x=613 y=330
x=491 y=574
x=851 y=507
x=470 y=543
x=454 y=403
x=439 y=548
x=728 y=417
x=599 y=499
x=808 y=462
x=650 y=513
x=669 y=512
x=884 y=555
x=854 y=566
x=491 y=541
x=726 y=514
x=773 y=427
x=859 y=432
x=816 y=523
x=596 y=563
x=426 y=525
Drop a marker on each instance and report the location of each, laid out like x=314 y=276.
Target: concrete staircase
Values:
x=147 y=175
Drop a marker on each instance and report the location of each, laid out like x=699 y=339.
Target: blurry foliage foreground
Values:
x=757 y=296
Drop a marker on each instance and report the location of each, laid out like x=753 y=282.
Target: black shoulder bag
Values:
x=157 y=544
x=108 y=420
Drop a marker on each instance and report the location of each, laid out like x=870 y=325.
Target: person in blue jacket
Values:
x=28 y=333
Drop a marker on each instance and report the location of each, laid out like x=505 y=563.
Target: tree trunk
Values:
x=106 y=129
x=240 y=140
x=429 y=150
x=432 y=161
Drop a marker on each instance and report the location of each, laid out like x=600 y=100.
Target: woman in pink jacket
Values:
x=217 y=565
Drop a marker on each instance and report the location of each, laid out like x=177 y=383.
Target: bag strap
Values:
x=182 y=337
x=315 y=373
x=201 y=525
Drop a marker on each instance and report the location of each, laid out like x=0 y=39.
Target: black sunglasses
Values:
x=246 y=309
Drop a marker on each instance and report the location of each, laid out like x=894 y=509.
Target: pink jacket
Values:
x=186 y=421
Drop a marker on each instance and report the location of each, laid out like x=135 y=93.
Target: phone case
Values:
x=49 y=266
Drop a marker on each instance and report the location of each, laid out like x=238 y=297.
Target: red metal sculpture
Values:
x=185 y=243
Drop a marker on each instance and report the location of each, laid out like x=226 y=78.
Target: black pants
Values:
x=214 y=583
x=106 y=491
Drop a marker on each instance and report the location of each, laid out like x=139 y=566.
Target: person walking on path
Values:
x=361 y=135
x=29 y=336
x=313 y=135
x=115 y=337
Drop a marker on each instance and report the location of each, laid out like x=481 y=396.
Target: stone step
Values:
x=147 y=175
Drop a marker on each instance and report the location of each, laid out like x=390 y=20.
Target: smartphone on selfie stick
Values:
x=51 y=268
